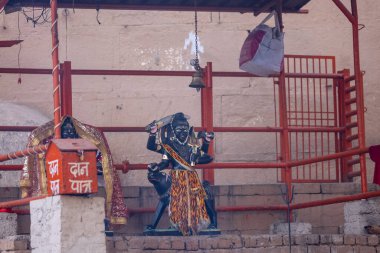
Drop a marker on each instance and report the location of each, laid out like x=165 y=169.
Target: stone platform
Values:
x=324 y=219
x=224 y=243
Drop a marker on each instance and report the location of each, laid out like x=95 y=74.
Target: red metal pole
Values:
x=22 y=153
x=93 y=72
x=19 y=202
x=284 y=135
x=359 y=94
x=55 y=71
x=207 y=117
x=66 y=89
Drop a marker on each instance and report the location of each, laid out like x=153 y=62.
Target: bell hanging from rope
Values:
x=197 y=81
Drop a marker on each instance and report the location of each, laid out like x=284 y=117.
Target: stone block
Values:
x=110 y=245
x=337 y=239
x=300 y=239
x=192 y=244
x=349 y=239
x=325 y=239
x=285 y=240
x=364 y=249
x=68 y=224
x=256 y=189
x=177 y=243
x=8 y=224
x=312 y=239
x=229 y=242
x=164 y=243
x=297 y=228
x=208 y=243
x=373 y=240
x=340 y=188
x=122 y=244
x=150 y=243
x=275 y=240
x=361 y=240
x=221 y=190
x=262 y=241
x=7 y=244
x=250 y=241
x=307 y=188
x=318 y=249
x=342 y=249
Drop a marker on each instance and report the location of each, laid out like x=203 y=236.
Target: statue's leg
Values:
x=161 y=206
x=210 y=205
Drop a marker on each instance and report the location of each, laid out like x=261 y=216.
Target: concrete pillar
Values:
x=361 y=213
x=67 y=224
x=8 y=224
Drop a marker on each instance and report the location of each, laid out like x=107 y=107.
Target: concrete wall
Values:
x=159 y=41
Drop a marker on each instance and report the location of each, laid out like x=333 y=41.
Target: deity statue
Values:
x=191 y=205
x=33 y=178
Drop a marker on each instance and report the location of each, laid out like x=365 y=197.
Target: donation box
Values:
x=71 y=167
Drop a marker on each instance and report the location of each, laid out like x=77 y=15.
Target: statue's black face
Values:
x=68 y=132
x=181 y=130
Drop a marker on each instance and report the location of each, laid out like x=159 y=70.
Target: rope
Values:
x=30 y=151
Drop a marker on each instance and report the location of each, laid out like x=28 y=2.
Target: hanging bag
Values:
x=262 y=53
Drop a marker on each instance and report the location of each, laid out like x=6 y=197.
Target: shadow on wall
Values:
x=16 y=115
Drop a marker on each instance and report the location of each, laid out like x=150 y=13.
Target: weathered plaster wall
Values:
x=159 y=41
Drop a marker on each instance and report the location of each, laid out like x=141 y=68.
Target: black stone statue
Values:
x=191 y=204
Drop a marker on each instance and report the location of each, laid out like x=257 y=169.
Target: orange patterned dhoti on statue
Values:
x=187 y=210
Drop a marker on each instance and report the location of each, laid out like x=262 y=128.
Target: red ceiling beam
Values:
x=345 y=11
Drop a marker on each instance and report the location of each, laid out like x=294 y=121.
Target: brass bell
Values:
x=197 y=81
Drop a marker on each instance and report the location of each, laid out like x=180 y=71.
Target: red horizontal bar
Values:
x=356 y=151
x=247 y=129
x=9 y=43
x=350 y=78
x=23 y=153
x=19 y=202
x=352 y=125
x=17 y=128
x=353 y=137
x=158 y=73
x=350 y=89
x=14 y=167
x=162 y=7
x=353 y=161
x=316 y=129
x=351 y=113
x=220 y=209
x=122 y=129
x=280 y=207
x=353 y=174
x=336 y=200
x=350 y=101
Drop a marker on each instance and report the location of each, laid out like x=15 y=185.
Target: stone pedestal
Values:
x=8 y=224
x=67 y=224
x=296 y=228
x=361 y=213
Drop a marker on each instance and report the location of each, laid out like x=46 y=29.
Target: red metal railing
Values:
x=312 y=103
